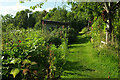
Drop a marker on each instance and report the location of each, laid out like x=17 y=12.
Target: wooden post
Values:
x=107 y=32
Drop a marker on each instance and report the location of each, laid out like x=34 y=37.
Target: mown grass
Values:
x=84 y=61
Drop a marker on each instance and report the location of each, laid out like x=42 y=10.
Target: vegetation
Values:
x=27 y=56
x=84 y=61
x=88 y=48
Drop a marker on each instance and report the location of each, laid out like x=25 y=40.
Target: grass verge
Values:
x=84 y=61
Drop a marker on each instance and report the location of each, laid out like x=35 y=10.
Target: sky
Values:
x=13 y=6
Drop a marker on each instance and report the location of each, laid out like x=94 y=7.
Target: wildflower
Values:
x=63 y=27
x=19 y=41
x=2 y=57
x=50 y=51
x=50 y=43
x=95 y=18
x=42 y=22
x=6 y=43
x=35 y=72
x=17 y=45
x=25 y=71
x=89 y=21
x=47 y=47
x=50 y=54
x=91 y=28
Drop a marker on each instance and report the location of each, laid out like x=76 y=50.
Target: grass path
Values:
x=83 y=62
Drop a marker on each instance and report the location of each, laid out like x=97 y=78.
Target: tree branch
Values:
x=115 y=6
x=106 y=22
x=106 y=6
x=100 y=3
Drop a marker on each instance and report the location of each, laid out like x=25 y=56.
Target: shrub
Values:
x=72 y=35
x=28 y=55
x=98 y=31
x=38 y=25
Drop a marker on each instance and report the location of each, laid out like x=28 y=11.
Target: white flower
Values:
x=2 y=57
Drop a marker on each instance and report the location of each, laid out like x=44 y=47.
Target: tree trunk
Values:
x=107 y=34
x=109 y=31
x=109 y=27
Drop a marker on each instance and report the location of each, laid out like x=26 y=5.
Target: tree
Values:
x=58 y=14
x=7 y=20
x=50 y=13
x=38 y=16
x=23 y=21
x=94 y=9
x=82 y=12
x=110 y=8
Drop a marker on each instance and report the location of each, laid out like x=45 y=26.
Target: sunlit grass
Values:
x=83 y=61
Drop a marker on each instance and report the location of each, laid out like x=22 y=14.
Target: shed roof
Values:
x=55 y=22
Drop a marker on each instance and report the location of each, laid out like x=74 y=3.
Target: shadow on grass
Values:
x=70 y=73
x=81 y=40
x=75 y=46
x=75 y=66
x=72 y=67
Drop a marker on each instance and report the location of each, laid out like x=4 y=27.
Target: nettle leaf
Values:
x=16 y=60
x=25 y=71
x=14 y=72
x=26 y=61
x=33 y=63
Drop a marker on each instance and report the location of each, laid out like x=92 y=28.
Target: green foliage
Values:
x=84 y=30
x=50 y=14
x=98 y=31
x=37 y=5
x=37 y=54
x=14 y=72
x=56 y=36
x=27 y=54
x=38 y=25
x=98 y=35
x=21 y=19
x=83 y=59
x=59 y=15
x=7 y=22
x=38 y=16
x=116 y=24
x=72 y=35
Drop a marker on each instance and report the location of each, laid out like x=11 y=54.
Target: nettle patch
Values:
x=28 y=55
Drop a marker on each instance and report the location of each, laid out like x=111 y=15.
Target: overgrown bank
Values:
x=33 y=54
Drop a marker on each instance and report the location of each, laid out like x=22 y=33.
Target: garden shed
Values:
x=54 y=24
